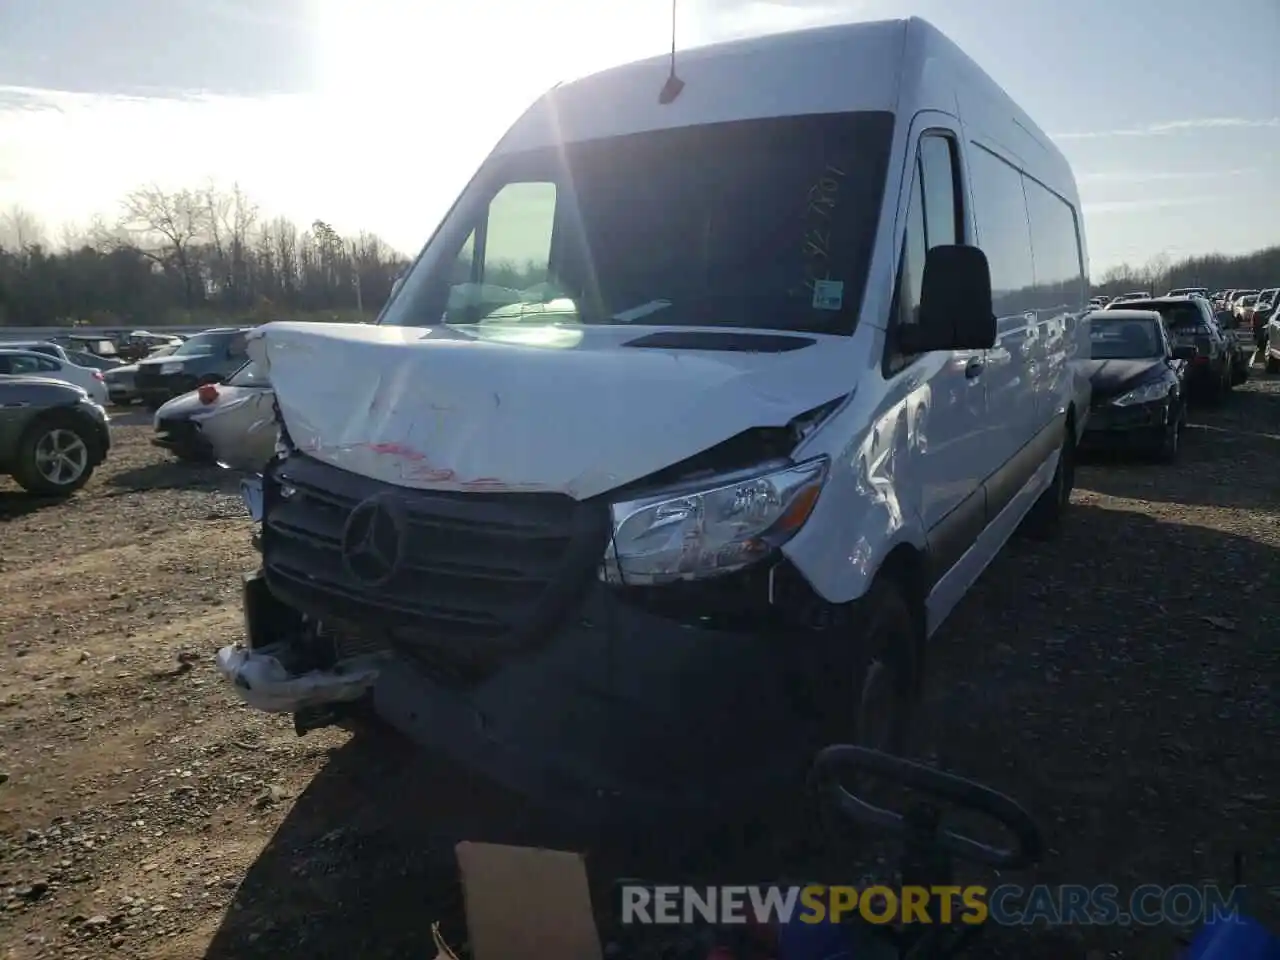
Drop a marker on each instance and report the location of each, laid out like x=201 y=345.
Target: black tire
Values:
x=1171 y=441
x=57 y=435
x=869 y=690
x=1221 y=387
x=1240 y=371
x=1044 y=519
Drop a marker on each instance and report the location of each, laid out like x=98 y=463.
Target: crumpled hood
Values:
x=528 y=407
x=1110 y=378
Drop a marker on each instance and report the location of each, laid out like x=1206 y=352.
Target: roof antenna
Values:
x=671 y=89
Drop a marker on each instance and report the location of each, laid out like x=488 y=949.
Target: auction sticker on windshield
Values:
x=828 y=294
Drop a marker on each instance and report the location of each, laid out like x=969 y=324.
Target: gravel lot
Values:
x=1122 y=684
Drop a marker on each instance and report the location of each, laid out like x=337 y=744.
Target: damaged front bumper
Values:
x=623 y=716
x=263 y=681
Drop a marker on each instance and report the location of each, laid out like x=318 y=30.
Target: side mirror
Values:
x=1184 y=352
x=956 y=311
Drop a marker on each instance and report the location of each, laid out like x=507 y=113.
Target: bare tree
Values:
x=167 y=228
x=231 y=218
x=20 y=230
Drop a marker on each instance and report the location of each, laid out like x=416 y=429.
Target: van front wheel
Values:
x=874 y=686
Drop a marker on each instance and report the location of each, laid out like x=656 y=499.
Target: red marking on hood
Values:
x=397 y=450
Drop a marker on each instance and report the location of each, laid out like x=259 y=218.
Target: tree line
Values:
x=1250 y=271
x=208 y=255
x=188 y=256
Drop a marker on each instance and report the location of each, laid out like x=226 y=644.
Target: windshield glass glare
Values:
x=760 y=224
x=206 y=344
x=1125 y=339
x=250 y=375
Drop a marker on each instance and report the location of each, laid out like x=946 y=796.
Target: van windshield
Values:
x=765 y=224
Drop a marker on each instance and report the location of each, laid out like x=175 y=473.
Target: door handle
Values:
x=973 y=368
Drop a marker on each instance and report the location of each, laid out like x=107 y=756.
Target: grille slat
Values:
x=484 y=575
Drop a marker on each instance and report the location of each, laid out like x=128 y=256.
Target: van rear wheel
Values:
x=1044 y=520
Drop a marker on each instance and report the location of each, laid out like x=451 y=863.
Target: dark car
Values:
x=1239 y=334
x=1138 y=378
x=1189 y=322
x=52 y=436
x=120 y=380
x=205 y=358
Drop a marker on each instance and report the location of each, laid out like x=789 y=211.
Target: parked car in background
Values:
x=121 y=388
x=1097 y=303
x=95 y=344
x=205 y=358
x=232 y=422
x=1241 y=336
x=1126 y=297
x=1190 y=323
x=47 y=347
x=93 y=360
x=1244 y=305
x=28 y=363
x=1138 y=380
x=140 y=343
x=52 y=435
x=1189 y=292
x=1268 y=338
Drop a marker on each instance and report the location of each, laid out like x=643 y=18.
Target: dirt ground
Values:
x=1121 y=683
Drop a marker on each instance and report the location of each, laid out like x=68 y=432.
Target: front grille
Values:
x=179 y=432
x=484 y=576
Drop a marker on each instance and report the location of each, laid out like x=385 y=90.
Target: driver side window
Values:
x=506 y=259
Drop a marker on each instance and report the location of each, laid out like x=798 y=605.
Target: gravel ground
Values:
x=1121 y=683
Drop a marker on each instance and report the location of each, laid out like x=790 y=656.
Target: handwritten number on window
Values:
x=820 y=209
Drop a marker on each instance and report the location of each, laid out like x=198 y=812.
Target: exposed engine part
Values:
x=750 y=448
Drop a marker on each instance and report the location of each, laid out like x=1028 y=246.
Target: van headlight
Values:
x=170 y=368
x=722 y=525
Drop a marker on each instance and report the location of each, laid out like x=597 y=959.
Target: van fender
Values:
x=868 y=507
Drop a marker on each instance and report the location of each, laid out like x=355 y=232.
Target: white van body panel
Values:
x=522 y=656
x=418 y=407
x=825 y=70
x=905 y=486
x=532 y=409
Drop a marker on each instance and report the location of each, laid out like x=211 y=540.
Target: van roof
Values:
x=902 y=66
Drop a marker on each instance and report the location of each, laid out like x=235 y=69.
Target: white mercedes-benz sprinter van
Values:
x=700 y=411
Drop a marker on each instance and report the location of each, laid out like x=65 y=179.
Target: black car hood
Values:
x=1110 y=378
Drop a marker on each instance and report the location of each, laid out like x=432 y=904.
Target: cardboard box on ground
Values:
x=524 y=903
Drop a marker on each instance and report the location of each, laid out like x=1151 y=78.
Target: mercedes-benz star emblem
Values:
x=373 y=539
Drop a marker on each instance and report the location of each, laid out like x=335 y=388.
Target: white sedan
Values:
x=28 y=363
x=231 y=422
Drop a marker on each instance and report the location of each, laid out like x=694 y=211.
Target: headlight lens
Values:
x=1143 y=394
x=168 y=368
x=712 y=530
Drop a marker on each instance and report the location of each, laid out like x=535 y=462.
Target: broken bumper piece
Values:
x=261 y=680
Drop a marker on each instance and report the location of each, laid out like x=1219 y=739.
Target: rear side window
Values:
x=1055 y=248
x=1004 y=233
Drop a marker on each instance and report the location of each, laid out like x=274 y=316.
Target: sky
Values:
x=372 y=114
